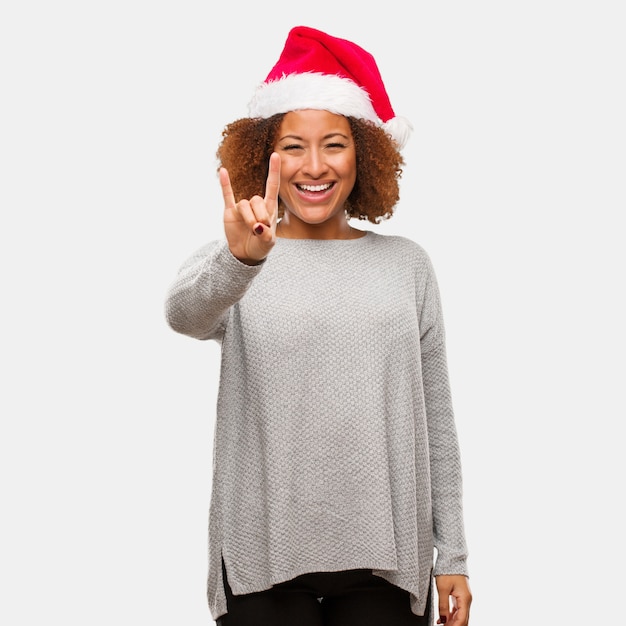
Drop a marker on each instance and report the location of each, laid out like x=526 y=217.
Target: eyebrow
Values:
x=329 y=136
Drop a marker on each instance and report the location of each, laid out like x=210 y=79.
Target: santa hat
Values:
x=318 y=71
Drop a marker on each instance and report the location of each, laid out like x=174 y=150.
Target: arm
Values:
x=450 y=569
x=445 y=466
x=446 y=487
x=207 y=285
x=217 y=276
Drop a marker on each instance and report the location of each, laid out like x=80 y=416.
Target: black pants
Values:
x=348 y=598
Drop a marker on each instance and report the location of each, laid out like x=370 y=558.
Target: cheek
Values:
x=348 y=169
x=286 y=172
x=350 y=175
x=283 y=189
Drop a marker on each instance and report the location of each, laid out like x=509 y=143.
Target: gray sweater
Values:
x=335 y=444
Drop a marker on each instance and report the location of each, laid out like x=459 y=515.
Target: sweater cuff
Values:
x=238 y=273
x=452 y=566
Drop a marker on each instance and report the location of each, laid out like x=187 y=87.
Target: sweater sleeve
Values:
x=205 y=288
x=445 y=466
x=445 y=460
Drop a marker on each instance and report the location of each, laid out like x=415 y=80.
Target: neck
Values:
x=290 y=228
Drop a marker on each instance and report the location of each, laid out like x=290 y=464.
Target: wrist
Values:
x=250 y=262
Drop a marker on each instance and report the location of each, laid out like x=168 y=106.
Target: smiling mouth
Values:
x=314 y=188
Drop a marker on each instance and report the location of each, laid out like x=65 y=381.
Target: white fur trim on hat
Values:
x=326 y=92
x=399 y=128
x=312 y=90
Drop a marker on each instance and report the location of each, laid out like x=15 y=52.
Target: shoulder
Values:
x=402 y=248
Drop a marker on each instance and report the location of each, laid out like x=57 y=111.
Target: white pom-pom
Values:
x=399 y=128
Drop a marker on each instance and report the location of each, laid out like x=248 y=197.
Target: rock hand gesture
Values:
x=250 y=225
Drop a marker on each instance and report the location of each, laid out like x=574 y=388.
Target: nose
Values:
x=314 y=164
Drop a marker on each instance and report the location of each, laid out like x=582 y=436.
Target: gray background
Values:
x=514 y=183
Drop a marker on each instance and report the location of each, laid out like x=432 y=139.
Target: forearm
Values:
x=207 y=285
x=445 y=466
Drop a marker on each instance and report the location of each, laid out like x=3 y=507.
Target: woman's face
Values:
x=318 y=167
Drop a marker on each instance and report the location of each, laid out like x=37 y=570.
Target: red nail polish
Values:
x=259 y=229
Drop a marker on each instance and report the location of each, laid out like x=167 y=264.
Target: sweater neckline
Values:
x=368 y=235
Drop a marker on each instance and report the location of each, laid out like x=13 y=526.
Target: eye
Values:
x=336 y=146
x=292 y=146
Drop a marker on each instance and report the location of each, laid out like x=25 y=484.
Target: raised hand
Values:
x=250 y=225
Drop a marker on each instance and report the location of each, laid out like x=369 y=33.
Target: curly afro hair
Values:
x=247 y=144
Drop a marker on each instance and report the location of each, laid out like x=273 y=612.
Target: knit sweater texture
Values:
x=335 y=445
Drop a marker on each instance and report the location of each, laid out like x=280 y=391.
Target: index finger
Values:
x=273 y=183
x=227 y=190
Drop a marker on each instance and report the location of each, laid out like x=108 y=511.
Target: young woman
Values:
x=336 y=464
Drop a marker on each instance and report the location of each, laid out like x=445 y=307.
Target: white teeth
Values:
x=315 y=187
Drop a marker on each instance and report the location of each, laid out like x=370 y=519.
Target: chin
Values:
x=314 y=217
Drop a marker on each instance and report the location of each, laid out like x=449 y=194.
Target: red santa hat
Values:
x=318 y=71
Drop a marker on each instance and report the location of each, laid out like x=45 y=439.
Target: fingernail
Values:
x=259 y=229
x=443 y=619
